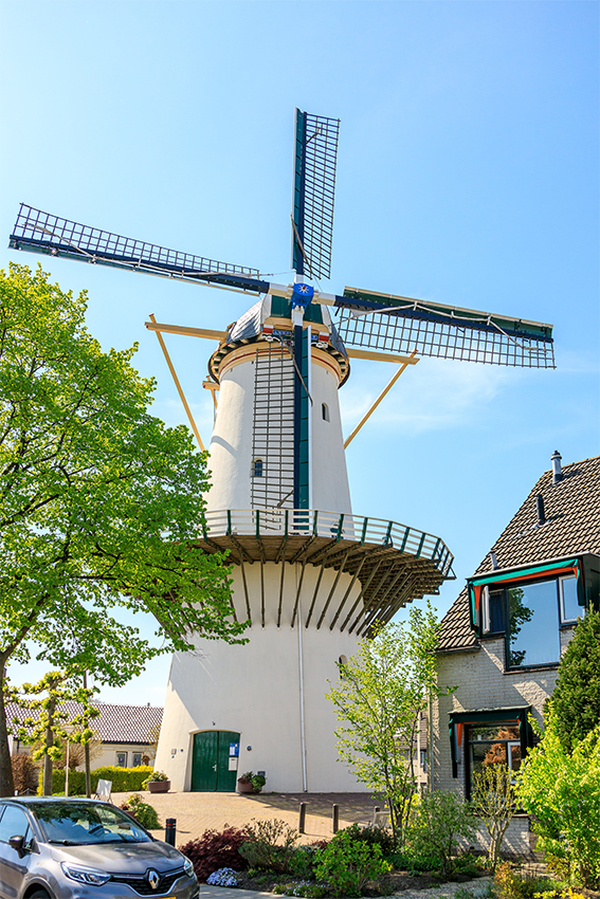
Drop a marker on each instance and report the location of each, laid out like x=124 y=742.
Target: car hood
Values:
x=126 y=858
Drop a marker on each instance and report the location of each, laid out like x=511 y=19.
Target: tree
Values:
x=100 y=502
x=576 y=697
x=51 y=723
x=494 y=802
x=561 y=791
x=382 y=690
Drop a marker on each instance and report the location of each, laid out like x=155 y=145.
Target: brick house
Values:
x=502 y=638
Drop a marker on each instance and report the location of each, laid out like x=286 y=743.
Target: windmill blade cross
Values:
x=40 y=232
x=316 y=146
x=395 y=324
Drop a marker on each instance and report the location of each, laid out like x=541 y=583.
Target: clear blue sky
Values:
x=468 y=175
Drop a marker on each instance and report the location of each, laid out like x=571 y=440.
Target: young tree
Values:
x=100 y=503
x=51 y=725
x=494 y=802
x=561 y=791
x=381 y=692
x=576 y=697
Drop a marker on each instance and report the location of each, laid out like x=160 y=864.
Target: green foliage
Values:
x=441 y=820
x=576 y=697
x=304 y=860
x=513 y=883
x=270 y=845
x=100 y=502
x=381 y=692
x=346 y=864
x=561 y=791
x=123 y=779
x=493 y=801
x=155 y=777
x=141 y=811
x=51 y=721
x=415 y=861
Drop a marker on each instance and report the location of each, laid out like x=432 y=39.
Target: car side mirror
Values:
x=16 y=843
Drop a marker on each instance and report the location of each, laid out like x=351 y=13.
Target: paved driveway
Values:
x=197 y=812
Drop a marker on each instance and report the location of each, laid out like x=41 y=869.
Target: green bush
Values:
x=124 y=780
x=440 y=821
x=347 y=864
x=415 y=862
x=142 y=812
x=270 y=845
x=511 y=883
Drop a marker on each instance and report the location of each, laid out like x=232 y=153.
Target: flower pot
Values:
x=245 y=787
x=159 y=786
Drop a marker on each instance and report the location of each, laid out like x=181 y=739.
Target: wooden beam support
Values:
x=385 y=390
x=178 y=386
x=184 y=331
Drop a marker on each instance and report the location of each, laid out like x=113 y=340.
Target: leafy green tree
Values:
x=381 y=692
x=494 y=802
x=441 y=820
x=100 y=503
x=576 y=697
x=561 y=791
x=51 y=724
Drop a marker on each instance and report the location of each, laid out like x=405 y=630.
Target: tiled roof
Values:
x=139 y=724
x=572 y=511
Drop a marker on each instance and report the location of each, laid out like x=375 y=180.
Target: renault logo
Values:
x=153 y=878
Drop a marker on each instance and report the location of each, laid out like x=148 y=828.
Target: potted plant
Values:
x=250 y=782
x=157 y=782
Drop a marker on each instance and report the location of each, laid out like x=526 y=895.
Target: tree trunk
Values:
x=7 y=784
x=86 y=752
x=47 y=788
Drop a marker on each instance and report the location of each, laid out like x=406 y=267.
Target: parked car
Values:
x=55 y=848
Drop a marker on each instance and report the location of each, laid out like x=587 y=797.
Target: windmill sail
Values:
x=40 y=232
x=314 y=189
x=395 y=324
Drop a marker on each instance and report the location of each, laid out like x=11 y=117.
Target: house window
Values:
x=136 y=759
x=121 y=759
x=570 y=609
x=529 y=609
x=325 y=411
x=483 y=738
x=257 y=468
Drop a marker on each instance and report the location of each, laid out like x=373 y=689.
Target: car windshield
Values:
x=83 y=823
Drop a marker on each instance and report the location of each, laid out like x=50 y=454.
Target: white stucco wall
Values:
x=255 y=689
x=330 y=488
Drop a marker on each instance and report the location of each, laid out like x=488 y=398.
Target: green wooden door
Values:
x=211 y=761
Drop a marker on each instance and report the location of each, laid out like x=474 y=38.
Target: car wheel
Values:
x=39 y=894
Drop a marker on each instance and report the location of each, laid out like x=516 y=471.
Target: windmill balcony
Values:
x=390 y=563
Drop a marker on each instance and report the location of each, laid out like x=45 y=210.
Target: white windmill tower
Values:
x=310 y=576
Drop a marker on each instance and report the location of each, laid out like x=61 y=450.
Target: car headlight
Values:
x=85 y=875
x=188 y=867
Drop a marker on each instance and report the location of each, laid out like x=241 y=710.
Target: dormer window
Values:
x=529 y=606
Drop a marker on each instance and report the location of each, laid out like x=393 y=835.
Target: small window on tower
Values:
x=325 y=411
x=258 y=468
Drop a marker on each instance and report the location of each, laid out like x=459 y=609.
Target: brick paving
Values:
x=197 y=812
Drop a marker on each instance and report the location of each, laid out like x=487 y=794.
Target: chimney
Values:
x=539 y=501
x=556 y=469
x=494 y=560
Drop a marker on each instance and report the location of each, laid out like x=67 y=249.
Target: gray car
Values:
x=58 y=848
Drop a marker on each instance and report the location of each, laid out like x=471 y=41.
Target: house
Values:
x=502 y=639
x=126 y=735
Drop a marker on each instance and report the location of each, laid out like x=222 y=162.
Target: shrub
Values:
x=303 y=861
x=25 y=773
x=216 y=849
x=379 y=836
x=440 y=821
x=270 y=845
x=415 y=862
x=141 y=811
x=346 y=864
x=511 y=883
x=124 y=780
x=154 y=777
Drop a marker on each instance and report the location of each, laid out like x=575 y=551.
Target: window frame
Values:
x=124 y=753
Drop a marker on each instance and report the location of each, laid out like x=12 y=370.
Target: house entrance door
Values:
x=214 y=761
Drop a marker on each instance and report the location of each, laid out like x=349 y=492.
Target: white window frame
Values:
x=561 y=602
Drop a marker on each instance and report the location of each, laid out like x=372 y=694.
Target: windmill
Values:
x=312 y=577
